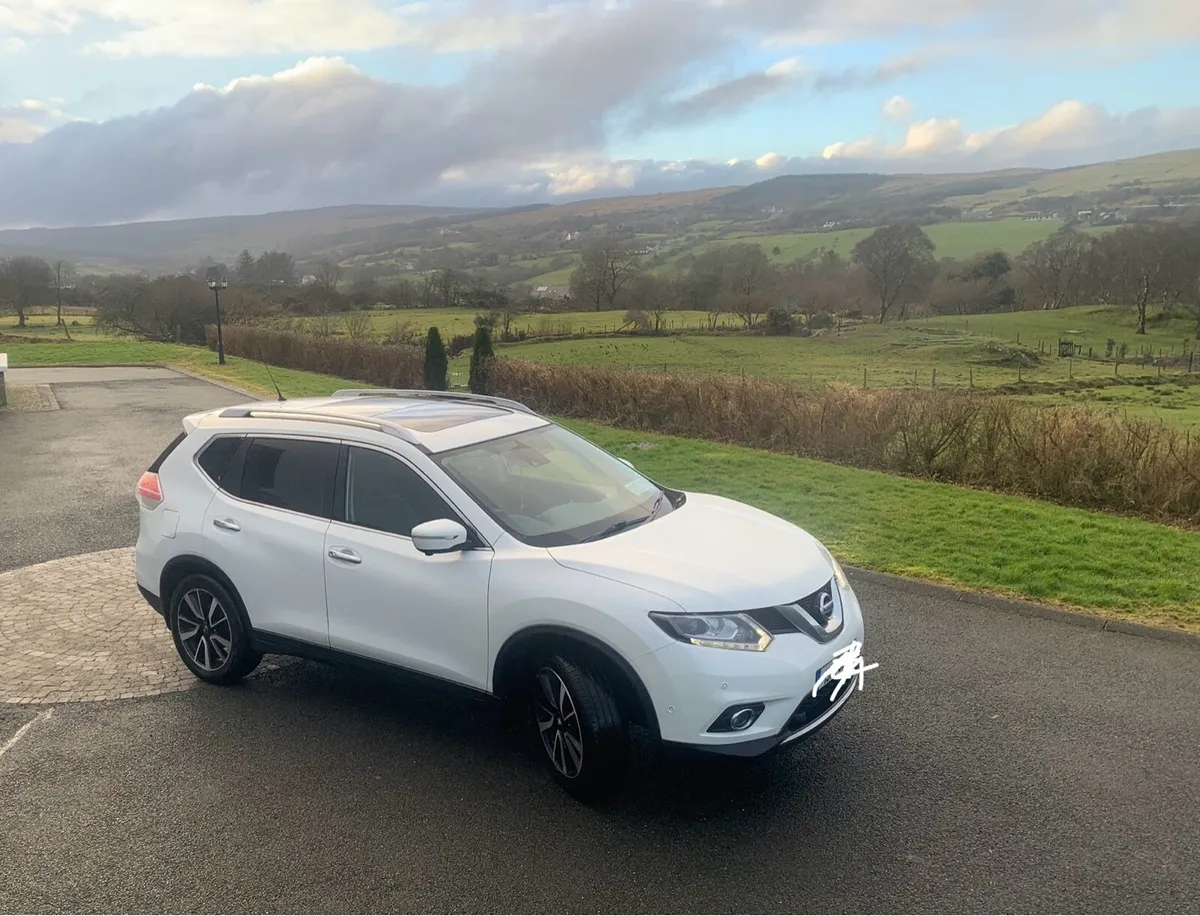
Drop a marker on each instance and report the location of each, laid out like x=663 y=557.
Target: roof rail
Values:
x=318 y=417
x=422 y=393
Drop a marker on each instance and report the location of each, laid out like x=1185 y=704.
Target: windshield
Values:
x=549 y=487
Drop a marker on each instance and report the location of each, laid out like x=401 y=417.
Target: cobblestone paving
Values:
x=77 y=629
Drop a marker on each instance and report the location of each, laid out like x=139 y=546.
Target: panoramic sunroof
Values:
x=432 y=418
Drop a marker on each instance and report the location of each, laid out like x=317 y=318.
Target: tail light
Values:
x=149 y=491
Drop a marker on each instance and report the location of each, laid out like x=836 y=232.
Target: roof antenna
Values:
x=272 y=377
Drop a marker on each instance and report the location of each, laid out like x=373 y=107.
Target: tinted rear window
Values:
x=295 y=474
x=216 y=457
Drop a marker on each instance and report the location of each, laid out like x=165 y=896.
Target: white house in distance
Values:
x=308 y=280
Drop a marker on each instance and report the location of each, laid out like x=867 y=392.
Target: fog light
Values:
x=737 y=718
x=741 y=719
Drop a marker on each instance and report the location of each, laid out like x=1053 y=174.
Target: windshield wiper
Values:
x=616 y=527
x=630 y=523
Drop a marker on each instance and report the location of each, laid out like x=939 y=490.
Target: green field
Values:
x=959 y=239
x=978 y=350
x=985 y=541
x=560 y=277
x=543 y=324
x=953 y=239
x=43 y=325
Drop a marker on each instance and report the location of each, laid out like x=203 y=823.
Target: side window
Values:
x=385 y=494
x=295 y=474
x=214 y=459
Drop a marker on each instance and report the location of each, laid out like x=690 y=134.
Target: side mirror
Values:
x=441 y=535
x=627 y=463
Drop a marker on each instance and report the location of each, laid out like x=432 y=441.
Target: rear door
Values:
x=266 y=529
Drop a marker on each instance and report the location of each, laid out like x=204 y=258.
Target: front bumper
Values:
x=810 y=716
x=692 y=686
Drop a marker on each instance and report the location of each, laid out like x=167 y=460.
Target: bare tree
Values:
x=607 y=267
x=449 y=284
x=898 y=263
x=24 y=280
x=747 y=269
x=62 y=277
x=749 y=307
x=329 y=275
x=655 y=296
x=1054 y=268
x=1138 y=261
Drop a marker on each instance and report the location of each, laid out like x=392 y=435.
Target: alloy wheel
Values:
x=558 y=723
x=204 y=629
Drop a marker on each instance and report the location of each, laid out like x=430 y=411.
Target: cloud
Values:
x=731 y=96
x=1023 y=26
x=718 y=99
x=12 y=45
x=1059 y=136
x=897 y=107
x=29 y=119
x=529 y=120
x=770 y=161
x=158 y=28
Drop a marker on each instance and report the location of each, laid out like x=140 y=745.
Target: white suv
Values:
x=468 y=540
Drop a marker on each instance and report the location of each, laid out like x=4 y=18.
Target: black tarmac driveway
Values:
x=993 y=763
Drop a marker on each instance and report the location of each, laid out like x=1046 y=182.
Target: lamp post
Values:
x=216 y=286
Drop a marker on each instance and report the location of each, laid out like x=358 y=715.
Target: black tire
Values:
x=211 y=639
x=578 y=726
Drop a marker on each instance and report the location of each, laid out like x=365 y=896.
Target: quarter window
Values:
x=294 y=474
x=385 y=494
x=216 y=457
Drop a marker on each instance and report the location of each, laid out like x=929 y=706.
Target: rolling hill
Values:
x=385 y=238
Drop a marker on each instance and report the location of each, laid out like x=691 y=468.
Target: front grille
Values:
x=820 y=604
x=818 y=614
x=773 y=620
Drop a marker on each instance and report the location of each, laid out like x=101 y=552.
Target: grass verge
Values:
x=983 y=541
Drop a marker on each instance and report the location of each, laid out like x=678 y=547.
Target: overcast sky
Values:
x=117 y=110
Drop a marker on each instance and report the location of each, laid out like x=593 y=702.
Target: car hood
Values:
x=710 y=554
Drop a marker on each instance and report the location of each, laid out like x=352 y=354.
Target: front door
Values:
x=387 y=600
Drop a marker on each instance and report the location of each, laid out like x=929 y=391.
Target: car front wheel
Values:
x=579 y=726
x=206 y=625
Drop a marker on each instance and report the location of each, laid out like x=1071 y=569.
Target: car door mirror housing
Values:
x=441 y=535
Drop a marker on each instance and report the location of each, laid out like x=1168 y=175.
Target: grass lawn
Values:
x=990 y=542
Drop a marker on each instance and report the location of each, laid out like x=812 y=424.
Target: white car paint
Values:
x=449 y=615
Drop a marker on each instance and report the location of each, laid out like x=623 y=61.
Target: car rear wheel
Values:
x=206 y=624
x=579 y=726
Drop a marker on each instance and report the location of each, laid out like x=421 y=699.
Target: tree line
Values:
x=894 y=272
x=891 y=274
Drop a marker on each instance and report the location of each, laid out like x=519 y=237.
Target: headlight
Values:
x=838 y=574
x=718 y=631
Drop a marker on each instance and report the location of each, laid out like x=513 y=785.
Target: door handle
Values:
x=344 y=554
x=226 y=523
